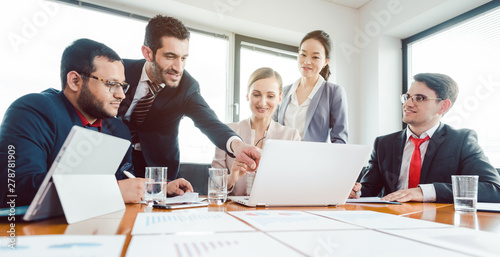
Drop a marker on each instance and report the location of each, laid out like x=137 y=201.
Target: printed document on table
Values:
x=369 y=200
x=64 y=245
x=469 y=241
x=289 y=220
x=491 y=207
x=241 y=244
x=170 y=222
x=188 y=197
x=377 y=220
x=360 y=243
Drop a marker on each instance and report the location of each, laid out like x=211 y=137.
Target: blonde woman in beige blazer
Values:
x=264 y=93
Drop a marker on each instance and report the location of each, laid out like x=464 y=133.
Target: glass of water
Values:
x=217 y=186
x=465 y=192
x=156 y=182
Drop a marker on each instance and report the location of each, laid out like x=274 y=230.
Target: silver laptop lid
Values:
x=86 y=158
x=297 y=173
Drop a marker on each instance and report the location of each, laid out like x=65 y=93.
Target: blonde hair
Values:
x=264 y=73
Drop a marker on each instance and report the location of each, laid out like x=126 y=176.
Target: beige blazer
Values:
x=243 y=129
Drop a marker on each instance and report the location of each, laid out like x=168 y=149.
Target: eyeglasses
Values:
x=113 y=85
x=416 y=99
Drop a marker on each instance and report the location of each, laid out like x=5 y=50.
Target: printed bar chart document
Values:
x=289 y=220
x=377 y=220
x=198 y=222
x=340 y=243
x=65 y=245
x=468 y=241
x=241 y=244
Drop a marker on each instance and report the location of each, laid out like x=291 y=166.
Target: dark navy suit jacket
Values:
x=36 y=126
x=450 y=152
x=158 y=134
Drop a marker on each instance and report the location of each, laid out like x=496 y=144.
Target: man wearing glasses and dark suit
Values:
x=416 y=163
x=36 y=125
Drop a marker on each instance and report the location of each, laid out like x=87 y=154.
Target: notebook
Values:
x=81 y=182
x=297 y=173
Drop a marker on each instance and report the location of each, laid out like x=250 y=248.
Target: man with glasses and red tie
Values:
x=416 y=163
x=36 y=125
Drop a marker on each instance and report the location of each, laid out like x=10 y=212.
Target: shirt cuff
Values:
x=429 y=193
x=228 y=144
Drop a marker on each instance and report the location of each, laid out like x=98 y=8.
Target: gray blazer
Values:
x=326 y=115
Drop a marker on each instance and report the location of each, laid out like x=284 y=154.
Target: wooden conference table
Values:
x=121 y=223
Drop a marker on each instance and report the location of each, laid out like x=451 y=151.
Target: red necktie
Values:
x=416 y=162
x=144 y=104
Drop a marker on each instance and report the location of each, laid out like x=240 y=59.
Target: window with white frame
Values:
x=254 y=54
x=469 y=52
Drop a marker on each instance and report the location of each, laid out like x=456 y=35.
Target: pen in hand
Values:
x=128 y=174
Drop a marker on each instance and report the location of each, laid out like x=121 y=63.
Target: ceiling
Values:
x=349 y=3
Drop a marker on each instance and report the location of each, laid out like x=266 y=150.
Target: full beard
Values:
x=90 y=105
x=159 y=75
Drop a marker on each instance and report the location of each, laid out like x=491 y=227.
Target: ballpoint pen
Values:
x=128 y=174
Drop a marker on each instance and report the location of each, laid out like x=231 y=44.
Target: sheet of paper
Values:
x=61 y=245
x=244 y=244
x=170 y=222
x=186 y=198
x=289 y=220
x=469 y=241
x=341 y=243
x=377 y=220
x=492 y=207
x=369 y=200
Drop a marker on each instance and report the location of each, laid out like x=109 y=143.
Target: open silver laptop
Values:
x=297 y=173
x=81 y=183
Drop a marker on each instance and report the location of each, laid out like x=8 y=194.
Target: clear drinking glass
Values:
x=156 y=181
x=217 y=186
x=465 y=192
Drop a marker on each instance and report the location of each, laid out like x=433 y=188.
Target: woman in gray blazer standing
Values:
x=314 y=106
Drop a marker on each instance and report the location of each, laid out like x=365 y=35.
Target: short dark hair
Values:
x=79 y=57
x=326 y=41
x=164 y=26
x=444 y=86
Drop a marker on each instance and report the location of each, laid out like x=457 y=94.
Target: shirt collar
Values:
x=144 y=76
x=313 y=91
x=429 y=132
x=85 y=123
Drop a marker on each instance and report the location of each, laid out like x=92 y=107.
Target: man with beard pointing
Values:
x=161 y=93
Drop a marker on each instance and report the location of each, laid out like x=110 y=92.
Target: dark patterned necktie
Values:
x=144 y=104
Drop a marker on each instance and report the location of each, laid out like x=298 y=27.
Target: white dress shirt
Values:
x=295 y=114
x=428 y=190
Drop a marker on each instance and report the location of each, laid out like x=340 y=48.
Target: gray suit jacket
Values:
x=450 y=152
x=326 y=115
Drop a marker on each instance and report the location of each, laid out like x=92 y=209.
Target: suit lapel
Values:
x=133 y=71
x=434 y=144
x=284 y=104
x=397 y=153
